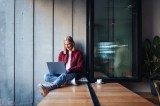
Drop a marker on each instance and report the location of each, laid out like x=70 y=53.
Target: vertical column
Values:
x=43 y=41
x=6 y=51
x=23 y=52
x=62 y=24
x=79 y=24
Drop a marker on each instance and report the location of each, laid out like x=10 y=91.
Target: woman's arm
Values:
x=77 y=63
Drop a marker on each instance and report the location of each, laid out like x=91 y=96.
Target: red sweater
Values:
x=76 y=62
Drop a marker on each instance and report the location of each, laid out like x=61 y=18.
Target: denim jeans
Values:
x=59 y=79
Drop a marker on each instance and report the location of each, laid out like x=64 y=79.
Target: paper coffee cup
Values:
x=99 y=81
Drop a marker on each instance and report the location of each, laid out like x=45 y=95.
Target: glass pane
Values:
x=113 y=32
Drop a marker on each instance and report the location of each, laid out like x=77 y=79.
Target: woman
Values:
x=73 y=61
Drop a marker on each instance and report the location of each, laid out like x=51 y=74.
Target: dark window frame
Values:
x=137 y=46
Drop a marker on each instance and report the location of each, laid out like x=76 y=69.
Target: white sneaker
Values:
x=74 y=82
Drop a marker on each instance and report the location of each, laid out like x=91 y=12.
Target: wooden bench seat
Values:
x=68 y=96
x=114 y=94
x=109 y=94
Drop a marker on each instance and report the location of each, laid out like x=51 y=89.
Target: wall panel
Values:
x=79 y=24
x=24 y=52
x=43 y=41
x=6 y=51
x=156 y=19
x=62 y=24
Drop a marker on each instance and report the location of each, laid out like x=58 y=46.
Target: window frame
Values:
x=136 y=62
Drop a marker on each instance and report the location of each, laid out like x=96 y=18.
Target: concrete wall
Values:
x=32 y=33
x=7 y=50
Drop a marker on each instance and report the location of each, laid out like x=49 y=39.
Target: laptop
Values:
x=56 y=67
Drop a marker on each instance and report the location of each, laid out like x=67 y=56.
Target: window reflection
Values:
x=112 y=59
x=113 y=32
x=122 y=65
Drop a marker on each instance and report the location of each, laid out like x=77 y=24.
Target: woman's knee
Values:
x=47 y=77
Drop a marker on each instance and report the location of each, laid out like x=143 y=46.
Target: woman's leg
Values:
x=63 y=78
x=44 y=88
x=50 y=77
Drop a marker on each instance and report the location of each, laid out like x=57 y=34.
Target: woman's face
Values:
x=68 y=45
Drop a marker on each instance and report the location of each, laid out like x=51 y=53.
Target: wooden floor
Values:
x=149 y=96
x=109 y=94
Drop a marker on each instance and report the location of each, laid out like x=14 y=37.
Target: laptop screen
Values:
x=56 y=67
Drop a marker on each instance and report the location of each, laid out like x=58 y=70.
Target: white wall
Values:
x=156 y=17
x=150 y=18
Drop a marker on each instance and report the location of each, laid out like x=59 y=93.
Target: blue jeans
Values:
x=59 y=79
